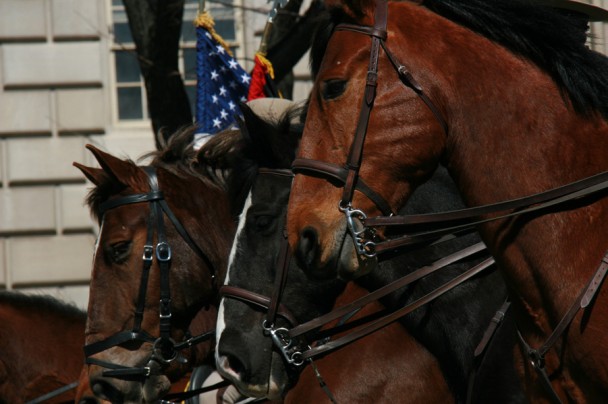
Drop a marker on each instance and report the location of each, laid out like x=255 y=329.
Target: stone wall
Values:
x=56 y=96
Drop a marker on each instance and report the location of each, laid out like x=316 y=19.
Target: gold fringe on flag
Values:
x=266 y=63
x=205 y=20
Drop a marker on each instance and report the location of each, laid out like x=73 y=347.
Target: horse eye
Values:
x=333 y=89
x=262 y=222
x=118 y=252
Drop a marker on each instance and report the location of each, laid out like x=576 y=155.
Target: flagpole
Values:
x=262 y=66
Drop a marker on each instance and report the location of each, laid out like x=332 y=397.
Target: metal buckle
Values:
x=284 y=343
x=148 y=253
x=354 y=219
x=163 y=251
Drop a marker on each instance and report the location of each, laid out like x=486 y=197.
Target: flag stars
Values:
x=232 y=106
x=223 y=91
x=214 y=99
x=220 y=49
x=245 y=78
x=223 y=114
x=233 y=64
x=217 y=123
x=214 y=75
x=223 y=69
x=232 y=84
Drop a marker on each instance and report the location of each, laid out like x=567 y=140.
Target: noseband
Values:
x=164 y=349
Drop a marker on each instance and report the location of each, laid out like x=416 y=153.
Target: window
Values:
x=130 y=89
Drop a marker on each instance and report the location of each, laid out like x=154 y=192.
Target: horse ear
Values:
x=113 y=167
x=96 y=175
x=257 y=131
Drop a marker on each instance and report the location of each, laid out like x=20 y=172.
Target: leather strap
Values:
x=384 y=321
x=585 y=297
x=332 y=171
x=454 y=222
x=257 y=300
x=386 y=290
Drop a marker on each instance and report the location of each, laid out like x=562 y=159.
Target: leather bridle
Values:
x=165 y=350
x=349 y=175
x=293 y=341
x=435 y=225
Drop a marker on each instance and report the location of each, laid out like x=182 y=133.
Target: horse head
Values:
x=164 y=233
x=270 y=133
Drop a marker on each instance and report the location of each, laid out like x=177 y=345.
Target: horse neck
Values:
x=512 y=134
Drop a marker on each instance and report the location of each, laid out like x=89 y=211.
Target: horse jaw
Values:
x=155 y=387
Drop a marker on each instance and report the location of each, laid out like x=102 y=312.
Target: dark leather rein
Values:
x=293 y=343
x=362 y=228
x=165 y=349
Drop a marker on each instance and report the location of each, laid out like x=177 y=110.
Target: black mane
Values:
x=552 y=39
x=259 y=142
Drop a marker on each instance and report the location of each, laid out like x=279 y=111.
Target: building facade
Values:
x=67 y=78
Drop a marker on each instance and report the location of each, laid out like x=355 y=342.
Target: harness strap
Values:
x=117 y=339
x=386 y=290
x=54 y=393
x=333 y=171
x=384 y=321
x=480 y=350
x=464 y=219
x=283 y=261
x=356 y=150
x=178 y=397
x=584 y=299
x=408 y=80
x=256 y=299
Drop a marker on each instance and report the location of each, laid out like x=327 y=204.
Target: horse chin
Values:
x=156 y=386
x=350 y=264
x=273 y=390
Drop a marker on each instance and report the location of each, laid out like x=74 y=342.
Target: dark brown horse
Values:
x=505 y=95
x=162 y=249
x=41 y=339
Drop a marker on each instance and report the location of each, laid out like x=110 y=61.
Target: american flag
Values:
x=221 y=82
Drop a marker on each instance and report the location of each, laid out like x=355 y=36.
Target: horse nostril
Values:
x=233 y=366
x=307 y=248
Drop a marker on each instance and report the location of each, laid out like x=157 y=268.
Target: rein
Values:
x=165 y=349
x=287 y=340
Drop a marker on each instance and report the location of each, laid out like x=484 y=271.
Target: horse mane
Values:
x=552 y=39
x=46 y=303
x=177 y=155
x=268 y=142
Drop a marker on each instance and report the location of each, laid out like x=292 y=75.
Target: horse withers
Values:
x=506 y=95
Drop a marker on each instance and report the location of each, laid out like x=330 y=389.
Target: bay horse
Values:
x=372 y=369
x=41 y=355
x=165 y=232
x=508 y=98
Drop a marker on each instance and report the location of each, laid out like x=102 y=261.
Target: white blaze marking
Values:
x=221 y=324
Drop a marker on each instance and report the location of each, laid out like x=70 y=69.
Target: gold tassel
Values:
x=205 y=20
